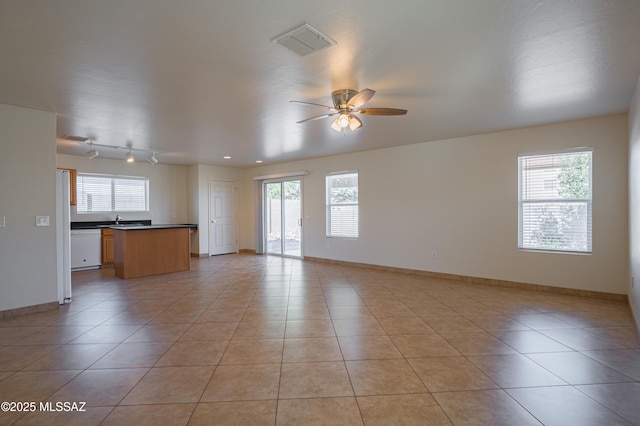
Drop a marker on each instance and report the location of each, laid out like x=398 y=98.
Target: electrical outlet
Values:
x=42 y=220
x=2 y=222
x=434 y=254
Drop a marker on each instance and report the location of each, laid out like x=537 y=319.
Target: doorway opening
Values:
x=282 y=215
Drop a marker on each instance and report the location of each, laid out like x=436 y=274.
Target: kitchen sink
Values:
x=108 y=224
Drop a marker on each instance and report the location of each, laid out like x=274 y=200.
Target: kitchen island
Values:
x=142 y=250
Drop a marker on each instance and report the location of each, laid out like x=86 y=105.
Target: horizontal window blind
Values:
x=344 y=221
x=342 y=205
x=555 y=202
x=107 y=193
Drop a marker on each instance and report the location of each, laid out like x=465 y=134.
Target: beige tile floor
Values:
x=245 y=339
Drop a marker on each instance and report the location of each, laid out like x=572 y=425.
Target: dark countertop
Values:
x=133 y=227
x=128 y=224
x=107 y=223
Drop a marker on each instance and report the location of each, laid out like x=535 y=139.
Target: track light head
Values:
x=129 y=157
x=152 y=159
x=92 y=153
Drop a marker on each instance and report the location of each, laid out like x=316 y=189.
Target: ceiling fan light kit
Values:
x=346 y=120
x=354 y=122
x=347 y=103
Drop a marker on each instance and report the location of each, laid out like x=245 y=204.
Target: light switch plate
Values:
x=2 y=222
x=42 y=220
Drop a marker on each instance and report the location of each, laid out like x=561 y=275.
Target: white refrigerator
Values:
x=63 y=237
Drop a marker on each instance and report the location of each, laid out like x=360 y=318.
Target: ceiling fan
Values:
x=347 y=103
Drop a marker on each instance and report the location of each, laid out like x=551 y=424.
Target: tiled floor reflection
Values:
x=245 y=339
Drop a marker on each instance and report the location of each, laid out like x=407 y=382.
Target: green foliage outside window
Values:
x=291 y=191
x=573 y=179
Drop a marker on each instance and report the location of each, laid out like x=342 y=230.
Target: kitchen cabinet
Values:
x=107 y=246
x=151 y=250
x=72 y=185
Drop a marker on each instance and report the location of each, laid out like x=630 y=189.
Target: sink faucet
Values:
x=118 y=218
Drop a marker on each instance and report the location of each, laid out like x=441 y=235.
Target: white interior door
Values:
x=223 y=217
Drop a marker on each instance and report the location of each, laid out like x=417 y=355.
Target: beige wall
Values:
x=634 y=201
x=459 y=198
x=28 y=189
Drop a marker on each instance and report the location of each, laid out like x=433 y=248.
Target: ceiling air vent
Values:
x=304 y=40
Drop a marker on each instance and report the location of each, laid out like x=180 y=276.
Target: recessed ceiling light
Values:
x=227 y=157
x=258 y=161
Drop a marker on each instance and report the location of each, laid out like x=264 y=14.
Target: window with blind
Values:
x=110 y=193
x=342 y=205
x=555 y=201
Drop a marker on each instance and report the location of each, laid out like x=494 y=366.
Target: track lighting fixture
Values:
x=152 y=159
x=92 y=153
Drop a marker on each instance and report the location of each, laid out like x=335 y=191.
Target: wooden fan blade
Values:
x=317 y=117
x=382 y=111
x=311 y=103
x=361 y=98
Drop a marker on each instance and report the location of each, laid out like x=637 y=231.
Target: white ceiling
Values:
x=200 y=79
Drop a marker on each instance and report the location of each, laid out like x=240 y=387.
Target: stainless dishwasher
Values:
x=85 y=249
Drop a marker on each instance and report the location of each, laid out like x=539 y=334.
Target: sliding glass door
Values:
x=283 y=217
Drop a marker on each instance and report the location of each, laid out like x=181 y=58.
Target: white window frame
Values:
x=113 y=179
x=522 y=201
x=329 y=206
